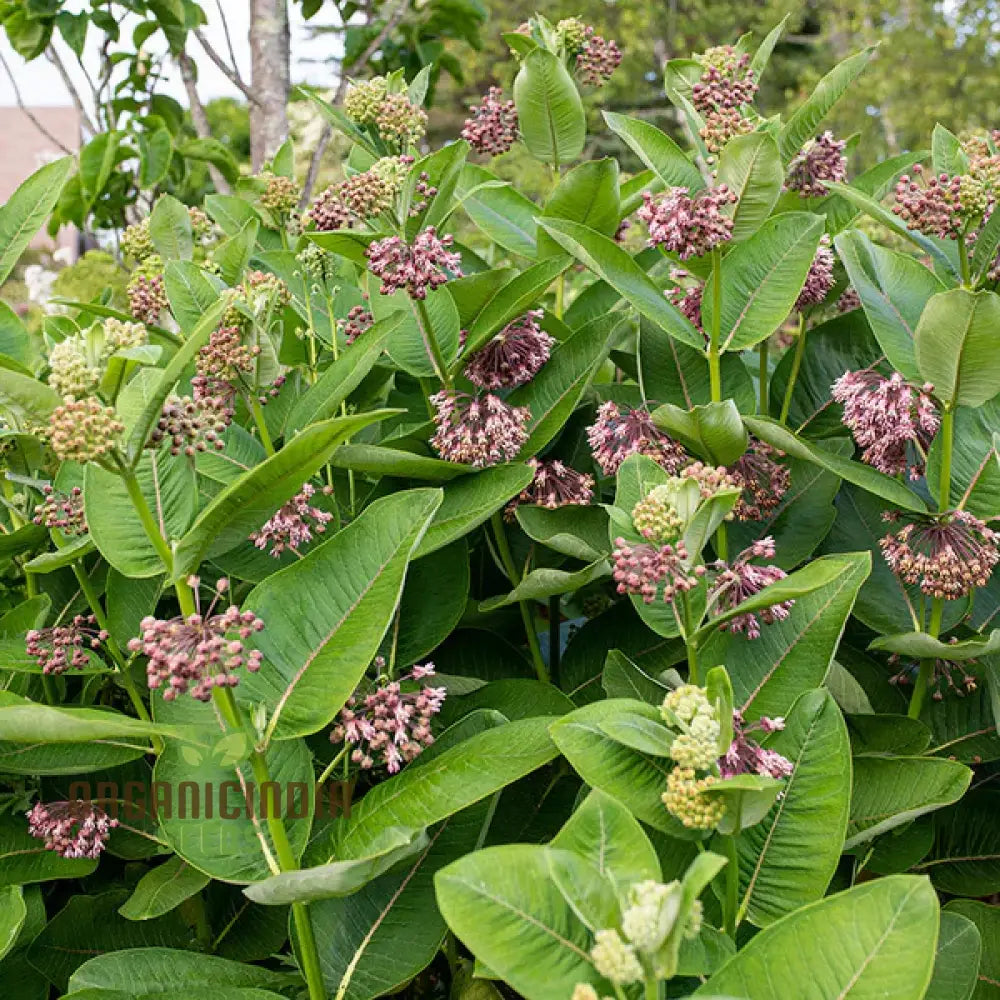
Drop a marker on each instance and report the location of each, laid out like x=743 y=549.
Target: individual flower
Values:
x=492 y=128
x=598 y=60
x=71 y=372
x=656 y=518
x=75 y=829
x=763 y=480
x=83 y=430
x=948 y=555
x=513 y=357
x=191 y=425
x=616 y=434
x=147 y=296
x=727 y=81
x=740 y=580
x=479 y=431
x=820 y=159
x=62 y=647
x=614 y=959
x=685 y=224
x=359 y=319
x=292 y=525
x=746 y=756
x=941 y=206
x=61 y=510
x=644 y=569
x=686 y=801
x=281 y=194
x=819 y=278
x=555 y=485
x=199 y=651
x=885 y=415
x=418 y=267
x=388 y=726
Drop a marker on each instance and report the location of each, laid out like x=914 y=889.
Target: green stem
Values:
x=332 y=766
x=652 y=988
x=437 y=358
x=800 y=349
x=731 y=903
x=714 y=353
x=926 y=671
x=258 y=418
x=963 y=261
x=765 y=403
x=692 y=649
x=152 y=529
x=507 y=559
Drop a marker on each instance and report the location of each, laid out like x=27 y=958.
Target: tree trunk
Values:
x=270 y=78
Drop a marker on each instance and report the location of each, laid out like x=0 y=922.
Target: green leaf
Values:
x=580 y=532
x=657 y=150
x=875 y=182
x=894 y=289
x=156 y=149
x=377 y=461
x=750 y=166
x=920 y=645
x=170 y=229
x=715 y=431
x=891 y=791
x=762 y=278
x=587 y=194
x=27 y=395
x=12 y=914
x=615 y=266
x=323 y=399
x=26 y=721
x=624 y=679
x=499 y=210
x=804 y=123
x=419 y=797
x=214 y=152
x=948 y=157
x=871 y=480
x=957 y=346
x=987 y=921
x=508 y=905
x=409 y=343
x=470 y=501
x=247 y=503
x=25 y=860
x=965 y=857
x=550 y=114
x=233 y=255
x=327 y=613
x=871 y=939
x=162 y=889
x=956 y=963
x=788 y=859
x=190 y=292
x=540 y=584
x=26 y=210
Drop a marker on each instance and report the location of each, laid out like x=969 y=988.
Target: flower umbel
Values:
x=685 y=799
x=513 y=357
x=764 y=481
x=479 y=431
x=685 y=224
x=616 y=434
x=75 y=829
x=614 y=959
x=293 y=524
x=61 y=510
x=555 y=485
x=200 y=651
x=820 y=159
x=746 y=756
x=741 y=579
x=819 y=279
x=697 y=745
x=642 y=569
x=418 y=267
x=727 y=80
x=61 y=647
x=492 y=127
x=83 y=430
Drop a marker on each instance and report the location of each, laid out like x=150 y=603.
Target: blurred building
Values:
x=24 y=148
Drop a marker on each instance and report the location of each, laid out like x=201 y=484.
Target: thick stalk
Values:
x=764 y=402
x=963 y=261
x=507 y=559
x=258 y=418
x=731 y=903
x=652 y=988
x=714 y=353
x=433 y=347
x=926 y=670
x=793 y=375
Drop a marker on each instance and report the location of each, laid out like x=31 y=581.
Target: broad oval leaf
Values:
x=550 y=113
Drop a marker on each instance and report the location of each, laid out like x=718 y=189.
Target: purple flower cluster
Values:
x=642 y=569
x=819 y=279
x=147 y=297
x=740 y=580
x=746 y=756
x=555 y=485
x=513 y=356
x=885 y=415
x=687 y=298
x=598 y=60
x=61 y=510
x=948 y=555
x=492 y=129
x=425 y=264
x=191 y=425
x=821 y=159
x=687 y=225
x=198 y=652
x=225 y=358
x=293 y=524
x=389 y=726
x=763 y=480
x=76 y=829
x=359 y=319
x=941 y=206
x=721 y=125
x=61 y=647
x=727 y=81
x=479 y=431
x=616 y=434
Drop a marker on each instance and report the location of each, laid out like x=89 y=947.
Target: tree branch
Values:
x=229 y=38
x=74 y=94
x=229 y=73
x=198 y=116
x=30 y=115
x=346 y=71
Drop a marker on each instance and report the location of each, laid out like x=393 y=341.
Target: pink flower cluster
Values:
x=746 y=756
x=492 y=129
x=727 y=80
x=821 y=159
x=478 y=431
x=61 y=648
x=74 y=829
x=513 y=356
x=292 y=524
x=940 y=206
x=359 y=319
x=819 y=279
x=764 y=481
x=616 y=434
x=885 y=415
x=418 y=267
x=389 y=726
x=598 y=60
x=555 y=485
x=740 y=580
x=685 y=224
x=687 y=298
x=641 y=569
x=61 y=510
x=199 y=650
